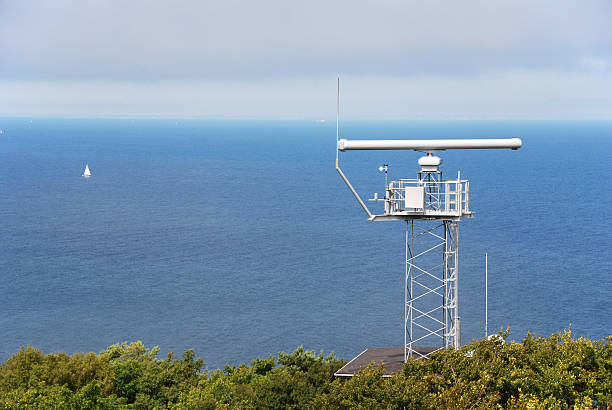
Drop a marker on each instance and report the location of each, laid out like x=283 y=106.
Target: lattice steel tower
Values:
x=431 y=208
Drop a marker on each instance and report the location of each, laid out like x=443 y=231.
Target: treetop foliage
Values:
x=539 y=373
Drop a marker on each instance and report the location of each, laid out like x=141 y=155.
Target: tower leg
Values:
x=430 y=307
x=452 y=336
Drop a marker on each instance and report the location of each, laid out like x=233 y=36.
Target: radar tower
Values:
x=431 y=208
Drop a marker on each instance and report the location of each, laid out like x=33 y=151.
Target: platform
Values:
x=392 y=357
x=420 y=216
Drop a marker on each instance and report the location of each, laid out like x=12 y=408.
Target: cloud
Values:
x=233 y=40
x=274 y=59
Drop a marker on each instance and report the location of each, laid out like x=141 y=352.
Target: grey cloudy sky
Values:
x=279 y=59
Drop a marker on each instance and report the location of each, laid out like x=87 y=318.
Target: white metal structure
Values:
x=432 y=208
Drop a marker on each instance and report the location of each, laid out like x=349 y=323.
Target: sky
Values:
x=280 y=59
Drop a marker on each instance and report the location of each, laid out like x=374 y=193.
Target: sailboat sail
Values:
x=87 y=173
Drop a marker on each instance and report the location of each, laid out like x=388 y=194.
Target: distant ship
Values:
x=87 y=172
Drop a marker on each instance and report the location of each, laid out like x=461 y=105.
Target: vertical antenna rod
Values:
x=486 y=295
x=337 y=119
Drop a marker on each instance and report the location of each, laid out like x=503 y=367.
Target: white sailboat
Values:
x=87 y=172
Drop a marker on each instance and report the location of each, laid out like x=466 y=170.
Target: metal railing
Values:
x=449 y=197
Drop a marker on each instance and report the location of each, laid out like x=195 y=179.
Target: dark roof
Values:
x=392 y=357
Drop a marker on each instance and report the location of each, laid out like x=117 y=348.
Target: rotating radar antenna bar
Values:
x=429 y=145
x=432 y=208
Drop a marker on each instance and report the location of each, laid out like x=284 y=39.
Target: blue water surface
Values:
x=238 y=238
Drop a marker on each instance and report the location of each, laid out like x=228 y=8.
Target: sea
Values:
x=238 y=239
